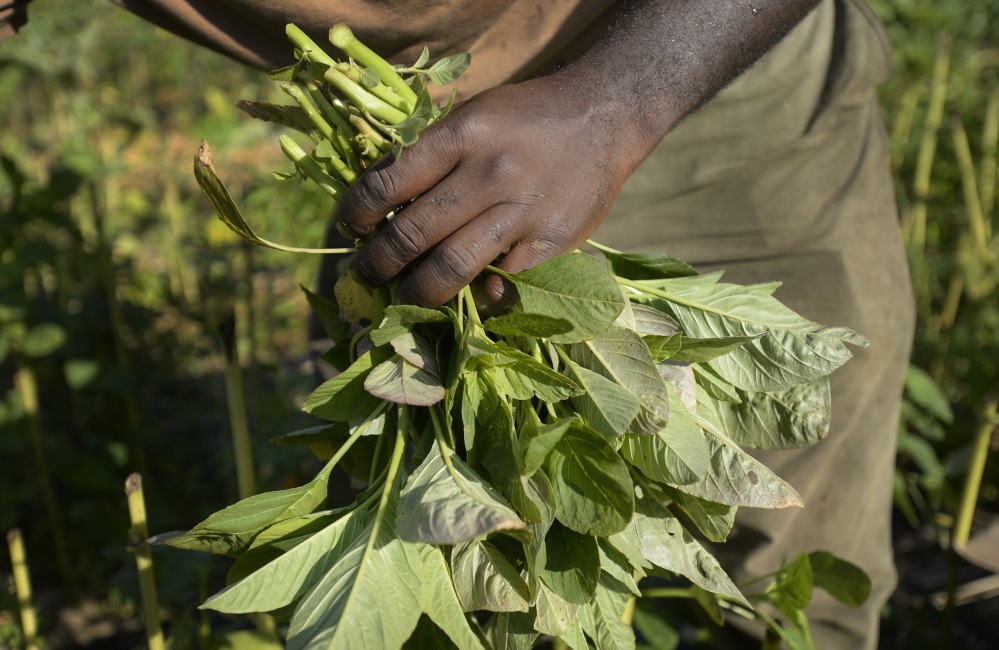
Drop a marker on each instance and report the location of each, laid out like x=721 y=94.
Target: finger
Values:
x=458 y=259
x=448 y=206
x=390 y=183
x=495 y=294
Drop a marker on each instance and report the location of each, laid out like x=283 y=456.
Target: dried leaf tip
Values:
x=13 y=535
x=204 y=156
x=133 y=483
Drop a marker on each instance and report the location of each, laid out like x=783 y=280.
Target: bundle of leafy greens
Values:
x=534 y=465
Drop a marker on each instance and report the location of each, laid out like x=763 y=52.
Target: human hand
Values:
x=524 y=171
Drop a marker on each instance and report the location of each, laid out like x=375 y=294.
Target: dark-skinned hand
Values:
x=527 y=171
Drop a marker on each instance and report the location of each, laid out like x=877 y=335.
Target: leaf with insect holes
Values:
x=575 y=287
x=447 y=70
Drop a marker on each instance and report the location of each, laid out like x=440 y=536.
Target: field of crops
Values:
x=130 y=313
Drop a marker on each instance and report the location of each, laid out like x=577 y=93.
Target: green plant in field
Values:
x=534 y=465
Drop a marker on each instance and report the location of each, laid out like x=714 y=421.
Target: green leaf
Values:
x=623 y=357
x=485 y=579
x=663 y=347
x=709 y=603
x=714 y=386
x=605 y=405
x=369 y=77
x=844 y=581
x=397 y=380
x=574 y=636
x=292 y=117
x=921 y=389
x=344 y=396
x=694 y=350
x=659 y=634
x=325 y=151
x=662 y=540
x=575 y=287
x=536 y=448
x=348 y=608
x=592 y=487
x=522 y=377
x=277 y=539
x=647 y=266
x=229 y=531
x=247 y=640
x=400 y=319
x=424 y=57
x=355 y=301
x=287 y=73
x=601 y=618
x=524 y=324
x=793 y=587
x=447 y=70
x=678 y=454
x=328 y=313
x=737 y=479
x=290 y=576
x=42 y=340
x=572 y=564
x=790 y=419
x=415 y=349
x=652 y=322
x=554 y=613
x=511 y=631
x=794 y=351
x=615 y=564
x=448 y=503
x=79 y=372
x=714 y=520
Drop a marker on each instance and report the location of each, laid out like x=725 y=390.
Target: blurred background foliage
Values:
x=116 y=277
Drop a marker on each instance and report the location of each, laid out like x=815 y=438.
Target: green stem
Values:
x=364 y=100
x=667 y=592
x=303 y=102
x=236 y=403
x=311 y=168
x=379 y=90
x=354 y=340
x=601 y=247
x=973 y=481
x=473 y=313
x=138 y=534
x=372 y=135
x=343 y=38
x=374 y=459
x=22 y=589
x=449 y=443
x=307 y=45
x=400 y=446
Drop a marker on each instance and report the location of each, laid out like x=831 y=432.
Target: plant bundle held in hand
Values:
x=523 y=471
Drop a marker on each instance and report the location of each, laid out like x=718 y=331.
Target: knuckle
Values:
x=406 y=239
x=454 y=264
x=378 y=187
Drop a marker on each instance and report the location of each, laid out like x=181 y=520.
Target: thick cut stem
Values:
x=137 y=536
x=364 y=100
x=307 y=45
x=379 y=90
x=22 y=585
x=343 y=38
x=311 y=168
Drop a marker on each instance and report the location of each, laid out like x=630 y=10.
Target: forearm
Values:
x=659 y=60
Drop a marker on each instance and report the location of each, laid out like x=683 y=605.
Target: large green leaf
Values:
x=615 y=564
x=373 y=597
x=606 y=406
x=554 y=613
x=844 y=581
x=592 y=487
x=623 y=357
x=575 y=287
x=398 y=380
x=647 y=266
x=601 y=618
x=446 y=502
x=789 y=419
x=652 y=322
x=522 y=377
x=485 y=580
x=794 y=350
x=735 y=478
x=524 y=324
x=536 y=447
x=694 y=350
x=277 y=539
x=343 y=397
x=511 y=631
x=663 y=541
x=400 y=319
x=417 y=350
x=229 y=531
x=677 y=454
x=291 y=575
x=572 y=564
x=427 y=636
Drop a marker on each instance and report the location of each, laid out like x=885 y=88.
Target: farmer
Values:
x=743 y=136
